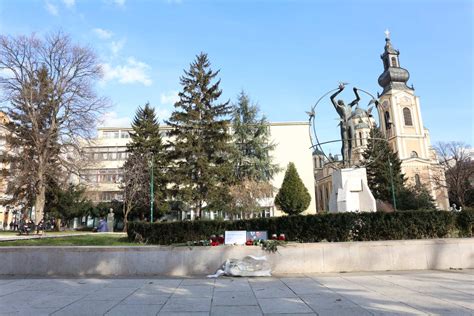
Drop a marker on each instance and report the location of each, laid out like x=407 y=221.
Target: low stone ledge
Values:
x=293 y=258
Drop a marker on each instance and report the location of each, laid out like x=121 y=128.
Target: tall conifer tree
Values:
x=146 y=151
x=377 y=158
x=200 y=141
x=251 y=138
x=253 y=167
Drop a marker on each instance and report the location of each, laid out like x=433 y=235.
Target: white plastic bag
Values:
x=248 y=266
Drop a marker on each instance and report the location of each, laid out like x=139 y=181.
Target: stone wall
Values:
x=293 y=258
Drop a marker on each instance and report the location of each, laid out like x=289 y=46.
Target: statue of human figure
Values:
x=110 y=220
x=345 y=112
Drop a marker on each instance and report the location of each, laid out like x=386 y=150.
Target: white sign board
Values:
x=238 y=237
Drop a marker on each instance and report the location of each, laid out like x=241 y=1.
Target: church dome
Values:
x=394 y=75
x=317 y=152
x=358 y=113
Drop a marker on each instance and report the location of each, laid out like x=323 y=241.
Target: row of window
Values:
x=109 y=196
x=121 y=155
x=102 y=175
x=115 y=134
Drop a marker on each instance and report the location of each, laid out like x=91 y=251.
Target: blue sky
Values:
x=284 y=54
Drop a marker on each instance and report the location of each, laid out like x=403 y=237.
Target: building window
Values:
x=387 y=120
x=360 y=138
x=407 y=117
x=394 y=62
x=414 y=154
x=417 y=180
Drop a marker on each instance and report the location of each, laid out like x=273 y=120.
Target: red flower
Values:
x=214 y=243
x=249 y=242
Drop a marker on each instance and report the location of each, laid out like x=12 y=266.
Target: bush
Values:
x=293 y=197
x=465 y=222
x=320 y=227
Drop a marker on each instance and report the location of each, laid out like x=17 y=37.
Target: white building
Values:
x=107 y=154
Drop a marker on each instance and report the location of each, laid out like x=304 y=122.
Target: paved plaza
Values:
x=421 y=292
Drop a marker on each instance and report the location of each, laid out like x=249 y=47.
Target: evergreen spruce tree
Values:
x=377 y=158
x=200 y=146
x=251 y=138
x=145 y=151
x=253 y=167
x=293 y=197
x=415 y=197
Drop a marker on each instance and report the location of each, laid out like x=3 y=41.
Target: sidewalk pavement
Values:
x=15 y=236
x=408 y=293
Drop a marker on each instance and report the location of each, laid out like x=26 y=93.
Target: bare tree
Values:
x=47 y=93
x=135 y=174
x=248 y=195
x=458 y=168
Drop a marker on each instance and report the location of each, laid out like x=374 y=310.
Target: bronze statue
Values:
x=345 y=112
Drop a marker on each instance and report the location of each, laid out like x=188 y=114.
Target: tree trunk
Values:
x=127 y=207
x=40 y=201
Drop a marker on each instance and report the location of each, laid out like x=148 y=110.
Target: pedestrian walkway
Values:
x=15 y=236
x=408 y=293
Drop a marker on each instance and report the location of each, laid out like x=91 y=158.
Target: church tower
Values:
x=401 y=122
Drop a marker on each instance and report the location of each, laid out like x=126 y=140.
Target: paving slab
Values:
x=285 y=305
x=142 y=310
x=236 y=310
x=193 y=291
x=188 y=304
x=86 y=307
x=234 y=298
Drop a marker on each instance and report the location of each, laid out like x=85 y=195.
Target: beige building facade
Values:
x=401 y=122
x=7 y=212
x=107 y=153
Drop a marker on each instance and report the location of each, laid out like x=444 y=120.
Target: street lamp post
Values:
x=151 y=191
x=393 y=187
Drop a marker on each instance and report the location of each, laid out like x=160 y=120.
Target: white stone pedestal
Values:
x=350 y=192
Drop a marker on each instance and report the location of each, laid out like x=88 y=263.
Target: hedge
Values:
x=320 y=227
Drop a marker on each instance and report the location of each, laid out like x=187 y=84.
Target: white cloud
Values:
x=120 y=3
x=69 y=3
x=52 y=9
x=6 y=73
x=103 y=34
x=116 y=46
x=162 y=114
x=133 y=71
x=169 y=98
x=111 y=119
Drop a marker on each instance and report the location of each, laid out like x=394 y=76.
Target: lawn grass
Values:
x=86 y=240
x=65 y=232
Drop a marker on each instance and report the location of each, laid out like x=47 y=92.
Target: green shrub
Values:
x=465 y=223
x=293 y=197
x=320 y=227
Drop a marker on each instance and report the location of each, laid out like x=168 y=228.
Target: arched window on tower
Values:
x=394 y=62
x=417 y=180
x=414 y=154
x=388 y=123
x=407 y=117
x=360 y=138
